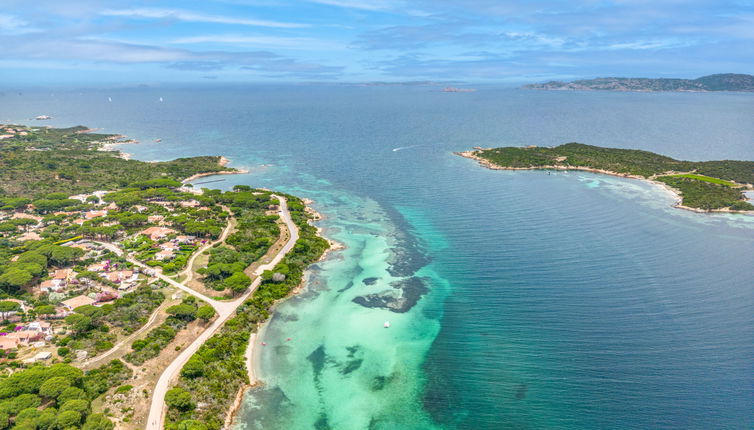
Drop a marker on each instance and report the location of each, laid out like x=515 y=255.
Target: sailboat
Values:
x=110 y=99
x=160 y=99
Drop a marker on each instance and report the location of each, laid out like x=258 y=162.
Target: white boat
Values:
x=387 y=324
x=160 y=99
x=110 y=99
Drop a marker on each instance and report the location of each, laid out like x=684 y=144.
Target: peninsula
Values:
x=703 y=186
x=718 y=82
x=127 y=296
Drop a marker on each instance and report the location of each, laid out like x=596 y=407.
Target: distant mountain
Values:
x=719 y=82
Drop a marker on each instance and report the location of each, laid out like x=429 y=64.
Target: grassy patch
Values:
x=706 y=179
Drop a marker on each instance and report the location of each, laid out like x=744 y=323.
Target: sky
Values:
x=151 y=41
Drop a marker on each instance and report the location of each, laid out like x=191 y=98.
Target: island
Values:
x=717 y=82
x=128 y=296
x=702 y=186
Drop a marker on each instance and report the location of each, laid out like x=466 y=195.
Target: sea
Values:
x=515 y=300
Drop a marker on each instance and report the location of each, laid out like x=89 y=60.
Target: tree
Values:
x=4 y=420
x=54 y=387
x=237 y=282
x=8 y=306
x=17 y=404
x=68 y=419
x=192 y=425
x=78 y=323
x=179 y=398
x=205 y=313
x=79 y=405
x=15 y=278
x=182 y=311
x=98 y=422
x=45 y=310
x=71 y=393
x=193 y=368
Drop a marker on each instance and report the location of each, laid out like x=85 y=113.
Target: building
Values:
x=77 y=302
x=95 y=214
x=165 y=254
x=157 y=233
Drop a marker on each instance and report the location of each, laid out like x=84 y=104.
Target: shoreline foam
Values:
x=676 y=194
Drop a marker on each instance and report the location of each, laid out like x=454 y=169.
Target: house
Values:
x=63 y=274
x=97 y=267
x=76 y=302
x=79 y=221
x=112 y=206
x=8 y=344
x=23 y=215
x=50 y=286
x=40 y=326
x=169 y=245
x=122 y=276
x=42 y=356
x=155 y=218
x=190 y=204
x=29 y=236
x=185 y=239
x=25 y=337
x=95 y=214
x=165 y=254
x=156 y=233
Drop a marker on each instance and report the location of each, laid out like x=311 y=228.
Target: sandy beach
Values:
x=675 y=193
x=252 y=356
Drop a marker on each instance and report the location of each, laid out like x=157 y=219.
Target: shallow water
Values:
x=563 y=300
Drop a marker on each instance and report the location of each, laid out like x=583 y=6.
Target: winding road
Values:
x=224 y=311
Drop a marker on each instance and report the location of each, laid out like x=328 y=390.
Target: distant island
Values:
x=702 y=186
x=718 y=82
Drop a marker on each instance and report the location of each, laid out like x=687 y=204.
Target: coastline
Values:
x=253 y=352
x=223 y=162
x=676 y=194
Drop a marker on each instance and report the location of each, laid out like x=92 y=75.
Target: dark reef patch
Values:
x=370 y=281
x=406 y=295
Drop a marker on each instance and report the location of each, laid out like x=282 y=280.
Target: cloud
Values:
x=10 y=24
x=107 y=51
x=180 y=15
x=301 y=43
x=371 y=5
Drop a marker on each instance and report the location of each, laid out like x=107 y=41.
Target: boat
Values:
x=158 y=140
x=458 y=90
x=42 y=117
x=387 y=324
x=160 y=99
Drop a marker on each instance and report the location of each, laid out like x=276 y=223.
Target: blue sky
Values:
x=140 y=41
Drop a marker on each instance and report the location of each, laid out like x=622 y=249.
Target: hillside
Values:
x=718 y=82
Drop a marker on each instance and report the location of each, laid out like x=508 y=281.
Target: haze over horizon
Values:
x=86 y=42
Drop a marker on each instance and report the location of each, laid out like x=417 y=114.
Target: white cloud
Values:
x=359 y=4
x=10 y=24
x=302 y=43
x=182 y=15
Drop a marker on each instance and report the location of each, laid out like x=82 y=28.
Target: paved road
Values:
x=224 y=311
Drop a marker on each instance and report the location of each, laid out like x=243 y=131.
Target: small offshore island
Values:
x=129 y=298
x=702 y=186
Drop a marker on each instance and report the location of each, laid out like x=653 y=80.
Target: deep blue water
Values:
x=568 y=301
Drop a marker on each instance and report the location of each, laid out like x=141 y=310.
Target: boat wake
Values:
x=401 y=148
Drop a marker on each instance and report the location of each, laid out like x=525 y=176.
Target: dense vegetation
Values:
x=714 y=190
x=718 y=82
x=57 y=397
x=213 y=376
x=63 y=160
x=91 y=325
x=156 y=340
x=254 y=234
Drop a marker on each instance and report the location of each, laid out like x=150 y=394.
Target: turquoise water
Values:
x=569 y=300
